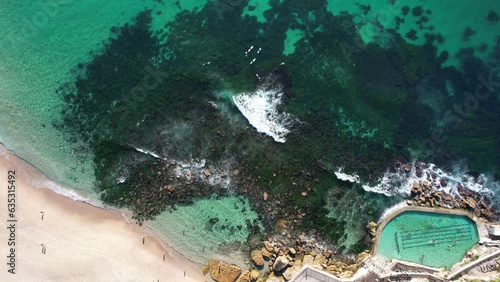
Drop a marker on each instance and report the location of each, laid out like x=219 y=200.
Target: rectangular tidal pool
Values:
x=428 y=238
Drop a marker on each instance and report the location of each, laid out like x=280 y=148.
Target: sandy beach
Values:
x=76 y=241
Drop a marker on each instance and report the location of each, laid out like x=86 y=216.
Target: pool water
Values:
x=432 y=239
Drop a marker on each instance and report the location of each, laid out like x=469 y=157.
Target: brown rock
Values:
x=470 y=202
x=257 y=258
x=269 y=247
x=415 y=188
x=351 y=267
x=170 y=188
x=265 y=253
x=372 y=225
x=362 y=256
x=346 y=274
x=245 y=277
x=292 y=251
x=205 y=269
x=265 y=196
x=273 y=278
x=291 y=272
x=304 y=194
x=446 y=197
x=280 y=263
x=223 y=272
x=329 y=253
x=308 y=259
x=332 y=268
x=319 y=259
x=408 y=168
x=207 y=173
x=254 y=274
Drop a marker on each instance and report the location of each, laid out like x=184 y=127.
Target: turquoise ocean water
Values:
x=43 y=42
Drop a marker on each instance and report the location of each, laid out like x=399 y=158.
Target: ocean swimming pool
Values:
x=428 y=238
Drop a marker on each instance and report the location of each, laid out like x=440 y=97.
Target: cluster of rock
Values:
x=423 y=193
x=279 y=261
x=285 y=261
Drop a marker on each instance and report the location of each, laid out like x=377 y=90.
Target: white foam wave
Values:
x=353 y=178
x=198 y=170
x=400 y=182
x=147 y=152
x=260 y=108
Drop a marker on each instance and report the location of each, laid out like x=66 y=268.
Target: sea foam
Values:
x=353 y=178
x=261 y=109
x=400 y=183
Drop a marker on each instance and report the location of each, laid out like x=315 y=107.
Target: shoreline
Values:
x=83 y=242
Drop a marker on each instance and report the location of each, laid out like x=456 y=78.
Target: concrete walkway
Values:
x=310 y=274
x=473 y=264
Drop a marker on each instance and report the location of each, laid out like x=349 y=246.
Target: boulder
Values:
x=254 y=274
x=470 y=202
x=351 y=267
x=319 y=260
x=345 y=275
x=245 y=277
x=290 y=272
x=205 y=269
x=332 y=268
x=265 y=196
x=265 y=253
x=269 y=247
x=446 y=197
x=280 y=263
x=223 y=272
x=408 y=168
x=207 y=173
x=308 y=259
x=329 y=253
x=362 y=256
x=273 y=278
x=443 y=182
x=257 y=258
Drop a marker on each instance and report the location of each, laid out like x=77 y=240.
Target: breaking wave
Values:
x=353 y=178
x=399 y=183
x=261 y=109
